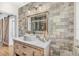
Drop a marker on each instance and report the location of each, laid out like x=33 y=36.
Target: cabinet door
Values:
x=38 y=52
x=18 y=48
x=27 y=50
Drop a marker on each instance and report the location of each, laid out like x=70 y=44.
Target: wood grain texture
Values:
x=23 y=49
x=4 y=51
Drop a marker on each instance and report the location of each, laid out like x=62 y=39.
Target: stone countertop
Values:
x=36 y=42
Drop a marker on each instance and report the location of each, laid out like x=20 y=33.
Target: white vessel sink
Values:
x=29 y=37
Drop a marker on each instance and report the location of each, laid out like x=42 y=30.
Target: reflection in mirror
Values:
x=38 y=23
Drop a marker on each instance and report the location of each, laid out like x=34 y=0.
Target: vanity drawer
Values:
x=38 y=52
x=28 y=53
x=35 y=51
x=27 y=50
x=32 y=51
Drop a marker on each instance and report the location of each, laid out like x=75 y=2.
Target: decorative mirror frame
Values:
x=38 y=14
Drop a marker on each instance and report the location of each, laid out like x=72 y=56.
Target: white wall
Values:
x=77 y=20
x=8 y=8
x=11 y=7
x=11 y=29
x=2 y=16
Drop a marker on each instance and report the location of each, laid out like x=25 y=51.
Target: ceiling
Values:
x=10 y=7
x=17 y=4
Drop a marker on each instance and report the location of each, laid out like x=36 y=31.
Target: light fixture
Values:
x=28 y=11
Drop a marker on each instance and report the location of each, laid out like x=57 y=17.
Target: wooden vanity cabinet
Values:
x=23 y=49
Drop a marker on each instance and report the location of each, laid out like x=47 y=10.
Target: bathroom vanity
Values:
x=30 y=48
x=36 y=24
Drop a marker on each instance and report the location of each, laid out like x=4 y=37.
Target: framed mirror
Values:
x=38 y=23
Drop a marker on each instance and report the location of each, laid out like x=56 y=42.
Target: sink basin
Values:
x=33 y=38
x=29 y=37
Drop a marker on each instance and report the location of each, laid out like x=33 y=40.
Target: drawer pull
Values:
x=24 y=47
x=24 y=54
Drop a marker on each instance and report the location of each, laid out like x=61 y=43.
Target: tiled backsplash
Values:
x=60 y=23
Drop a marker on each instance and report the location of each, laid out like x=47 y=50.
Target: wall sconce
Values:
x=29 y=11
x=40 y=8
